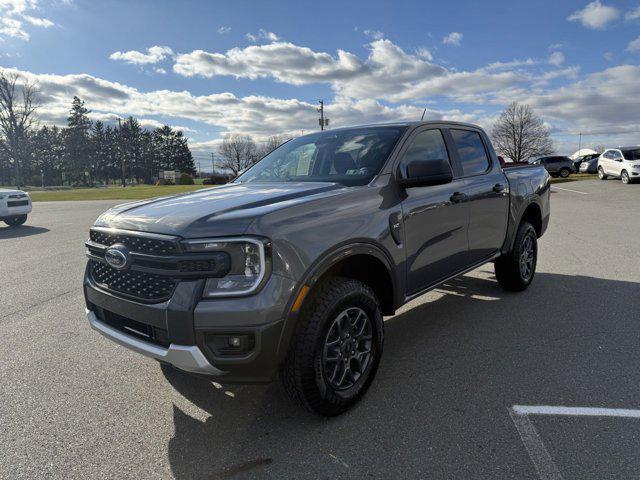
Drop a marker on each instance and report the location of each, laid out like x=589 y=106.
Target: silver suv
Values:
x=557 y=166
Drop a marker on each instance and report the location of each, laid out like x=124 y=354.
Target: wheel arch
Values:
x=361 y=260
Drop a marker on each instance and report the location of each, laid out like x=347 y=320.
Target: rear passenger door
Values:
x=487 y=191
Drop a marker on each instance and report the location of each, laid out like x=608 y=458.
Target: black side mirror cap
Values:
x=423 y=173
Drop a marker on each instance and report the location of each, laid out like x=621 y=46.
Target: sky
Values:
x=217 y=67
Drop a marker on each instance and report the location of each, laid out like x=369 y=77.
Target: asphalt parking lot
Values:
x=74 y=405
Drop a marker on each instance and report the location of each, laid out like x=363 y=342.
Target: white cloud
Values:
x=375 y=34
x=154 y=54
x=285 y=62
x=595 y=15
x=424 y=53
x=633 y=14
x=256 y=115
x=634 y=45
x=160 y=70
x=555 y=46
x=608 y=56
x=556 y=59
x=454 y=38
x=262 y=35
x=388 y=72
x=14 y=15
x=223 y=30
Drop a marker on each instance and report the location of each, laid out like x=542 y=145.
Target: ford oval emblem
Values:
x=117 y=256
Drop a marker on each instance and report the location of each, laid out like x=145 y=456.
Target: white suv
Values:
x=623 y=163
x=14 y=206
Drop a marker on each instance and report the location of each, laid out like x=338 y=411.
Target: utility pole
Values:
x=199 y=170
x=580 y=143
x=213 y=164
x=322 y=121
x=321 y=110
x=122 y=178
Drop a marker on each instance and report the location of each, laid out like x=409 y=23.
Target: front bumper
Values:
x=185 y=357
x=183 y=330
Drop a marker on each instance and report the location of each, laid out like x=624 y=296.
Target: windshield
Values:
x=631 y=154
x=350 y=157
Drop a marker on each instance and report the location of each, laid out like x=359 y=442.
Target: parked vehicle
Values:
x=556 y=166
x=623 y=163
x=15 y=205
x=589 y=163
x=291 y=267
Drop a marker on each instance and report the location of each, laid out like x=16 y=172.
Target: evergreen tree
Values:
x=77 y=142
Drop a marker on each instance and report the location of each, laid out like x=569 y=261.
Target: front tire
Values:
x=16 y=220
x=565 y=172
x=336 y=349
x=515 y=270
x=624 y=176
x=601 y=174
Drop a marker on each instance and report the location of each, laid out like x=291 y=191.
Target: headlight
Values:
x=250 y=264
x=635 y=167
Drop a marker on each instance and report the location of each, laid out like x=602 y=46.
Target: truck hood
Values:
x=217 y=211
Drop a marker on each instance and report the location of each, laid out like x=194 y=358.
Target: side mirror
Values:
x=423 y=173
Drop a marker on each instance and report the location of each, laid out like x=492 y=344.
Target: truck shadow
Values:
x=451 y=367
x=21 y=231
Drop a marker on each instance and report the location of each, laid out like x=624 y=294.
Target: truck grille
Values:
x=145 y=286
x=135 y=243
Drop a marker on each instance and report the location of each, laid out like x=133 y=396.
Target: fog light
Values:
x=222 y=344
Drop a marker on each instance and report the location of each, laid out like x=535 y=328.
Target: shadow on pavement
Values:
x=21 y=231
x=438 y=406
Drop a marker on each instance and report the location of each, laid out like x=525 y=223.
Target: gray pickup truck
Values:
x=289 y=269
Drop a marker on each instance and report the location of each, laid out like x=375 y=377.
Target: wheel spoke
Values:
x=346 y=352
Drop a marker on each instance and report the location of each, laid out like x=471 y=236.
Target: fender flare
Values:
x=532 y=199
x=320 y=266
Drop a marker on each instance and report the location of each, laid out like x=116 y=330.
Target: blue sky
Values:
x=259 y=67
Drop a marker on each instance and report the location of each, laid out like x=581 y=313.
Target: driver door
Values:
x=436 y=217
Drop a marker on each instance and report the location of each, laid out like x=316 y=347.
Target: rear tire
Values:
x=16 y=220
x=336 y=350
x=601 y=174
x=565 y=172
x=515 y=270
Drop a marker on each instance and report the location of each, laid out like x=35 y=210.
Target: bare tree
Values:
x=520 y=134
x=270 y=144
x=238 y=152
x=18 y=104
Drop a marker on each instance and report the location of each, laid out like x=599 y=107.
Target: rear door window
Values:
x=473 y=156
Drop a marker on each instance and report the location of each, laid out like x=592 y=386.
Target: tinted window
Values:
x=426 y=145
x=632 y=154
x=615 y=155
x=607 y=154
x=471 y=151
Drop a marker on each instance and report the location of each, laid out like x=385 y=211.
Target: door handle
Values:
x=498 y=188
x=458 y=197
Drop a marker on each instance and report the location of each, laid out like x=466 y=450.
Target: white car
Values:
x=623 y=163
x=15 y=205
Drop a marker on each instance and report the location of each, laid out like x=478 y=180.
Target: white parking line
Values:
x=575 y=411
x=542 y=461
x=569 y=190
